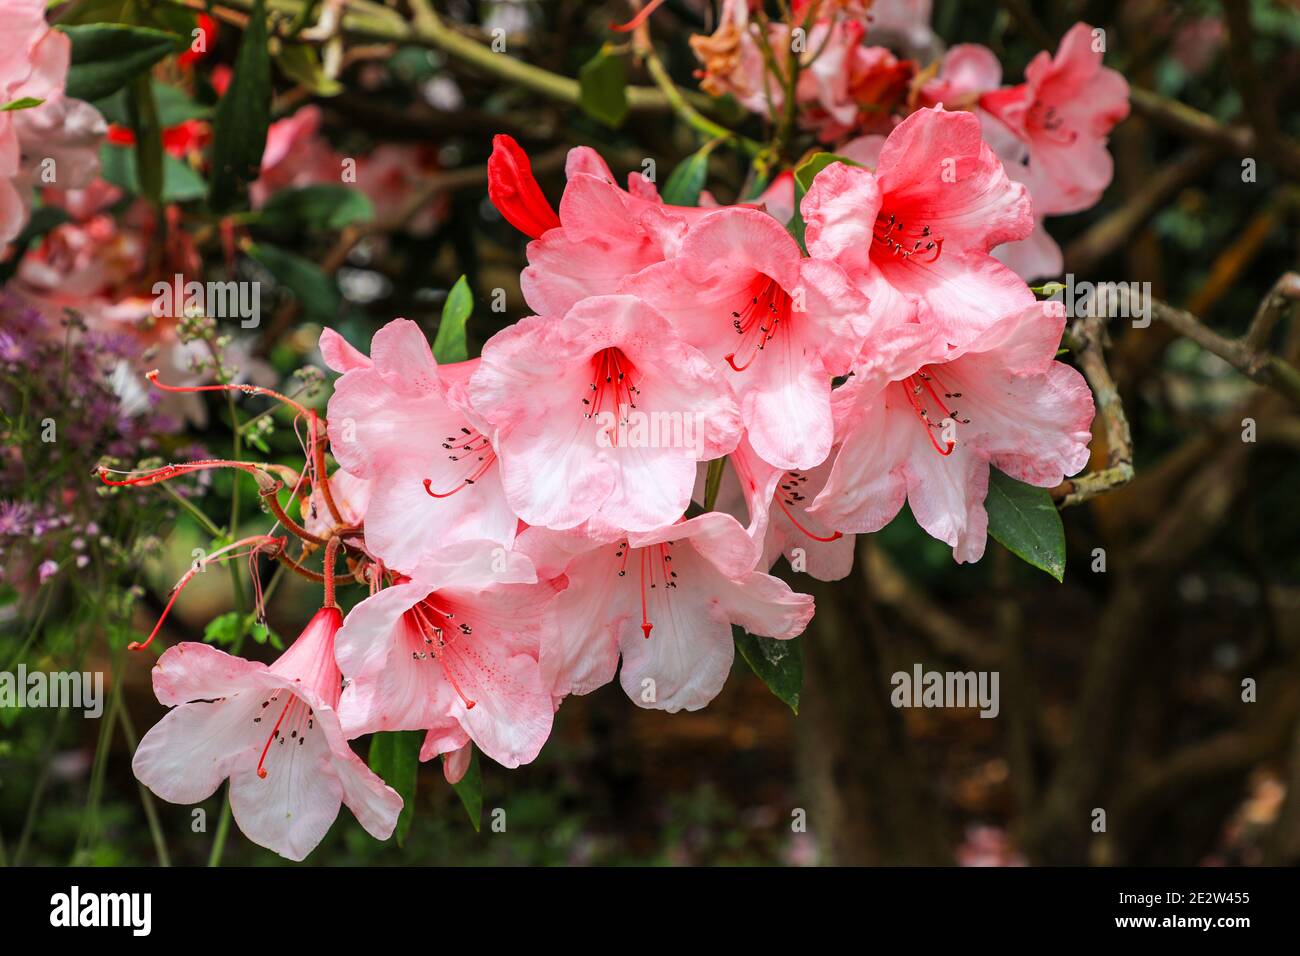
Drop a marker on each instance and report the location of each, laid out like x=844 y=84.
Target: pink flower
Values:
x=967 y=71
x=926 y=425
x=1063 y=113
x=665 y=601
x=392 y=176
x=777 y=200
x=602 y=415
x=732 y=59
x=34 y=64
x=602 y=235
x=295 y=155
x=404 y=423
x=780 y=325
x=777 y=501
x=273 y=731
x=453 y=650
x=915 y=235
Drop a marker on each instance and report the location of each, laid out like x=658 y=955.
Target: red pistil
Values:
x=470 y=443
x=915 y=388
x=611 y=383
x=792 y=497
x=437 y=638
x=256 y=543
x=275 y=732
x=758 y=320
x=905 y=243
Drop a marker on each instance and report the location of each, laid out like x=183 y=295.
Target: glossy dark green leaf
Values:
x=778 y=663
x=107 y=56
x=143 y=114
x=395 y=757
x=242 y=118
x=1024 y=520
x=470 y=791
x=317 y=293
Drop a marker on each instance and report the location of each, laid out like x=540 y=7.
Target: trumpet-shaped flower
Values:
x=927 y=429
x=453 y=650
x=779 y=325
x=403 y=422
x=274 y=731
x=602 y=415
x=665 y=602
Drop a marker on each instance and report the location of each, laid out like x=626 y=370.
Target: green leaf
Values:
x=174 y=106
x=320 y=208
x=602 y=85
x=301 y=64
x=243 y=115
x=180 y=182
x=26 y=103
x=316 y=292
x=686 y=181
x=713 y=481
x=778 y=663
x=143 y=113
x=470 y=790
x=804 y=174
x=227 y=628
x=107 y=56
x=450 y=344
x=395 y=756
x=1024 y=520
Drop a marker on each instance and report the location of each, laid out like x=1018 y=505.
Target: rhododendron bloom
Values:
x=34 y=62
x=602 y=233
x=602 y=415
x=295 y=155
x=405 y=423
x=665 y=601
x=779 y=325
x=915 y=235
x=775 y=502
x=1063 y=113
x=926 y=428
x=274 y=731
x=453 y=650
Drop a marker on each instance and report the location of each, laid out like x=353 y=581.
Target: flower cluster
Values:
x=605 y=490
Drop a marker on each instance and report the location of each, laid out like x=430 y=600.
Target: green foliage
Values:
x=107 y=56
x=686 y=181
x=303 y=279
x=470 y=790
x=317 y=208
x=242 y=118
x=450 y=344
x=603 y=88
x=1024 y=520
x=778 y=662
x=395 y=756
